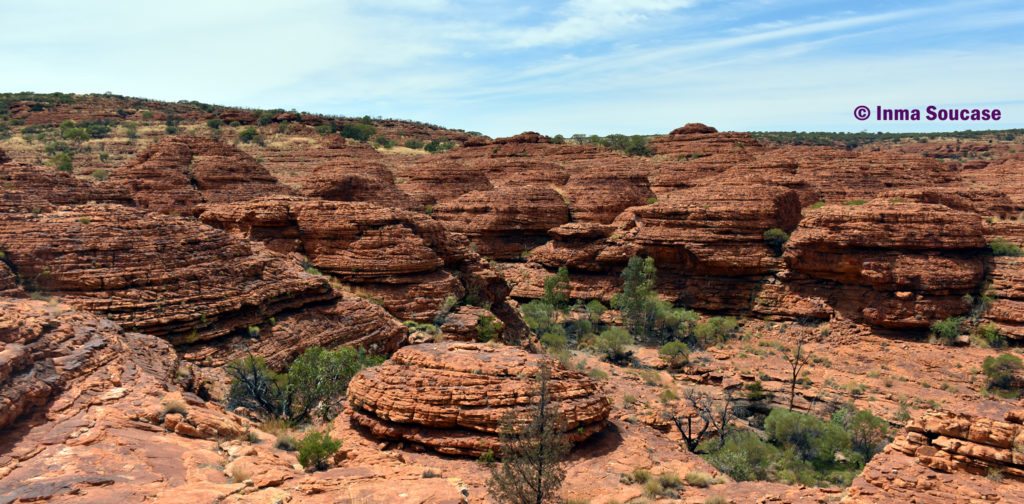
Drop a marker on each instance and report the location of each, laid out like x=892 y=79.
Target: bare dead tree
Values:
x=797 y=359
x=703 y=409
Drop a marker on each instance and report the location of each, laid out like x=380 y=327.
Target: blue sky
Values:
x=571 y=66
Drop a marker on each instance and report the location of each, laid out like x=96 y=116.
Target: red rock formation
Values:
x=178 y=173
x=405 y=260
x=946 y=457
x=600 y=197
x=356 y=180
x=452 y=397
x=1004 y=177
x=505 y=222
x=917 y=259
x=466 y=323
x=163 y=275
x=430 y=181
x=697 y=139
x=58 y=187
x=1007 y=291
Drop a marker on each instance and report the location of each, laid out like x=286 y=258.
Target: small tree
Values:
x=556 y=289
x=637 y=299
x=797 y=359
x=531 y=469
x=776 y=238
x=946 y=331
x=675 y=353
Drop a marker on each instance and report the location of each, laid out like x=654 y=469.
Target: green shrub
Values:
x=675 y=353
x=537 y=315
x=745 y=457
x=812 y=438
x=946 y=331
x=214 y=123
x=1001 y=247
x=555 y=339
x=412 y=143
x=435 y=146
x=248 y=135
x=357 y=131
x=265 y=118
x=314 y=385
x=62 y=162
x=613 y=342
x=776 y=238
x=315 y=450
x=384 y=142
x=1001 y=371
x=988 y=336
x=715 y=330
x=100 y=174
x=487 y=328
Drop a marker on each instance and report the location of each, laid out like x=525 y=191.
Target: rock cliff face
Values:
x=900 y=264
x=505 y=222
x=452 y=397
x=178 y=173
x=404 y=260
x=163 y=275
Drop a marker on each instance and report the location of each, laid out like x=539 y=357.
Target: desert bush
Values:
x=62 y=162
x=384 y=142
x=412 y=143
x=675 y=353
x=946 y=331
x=538 y=315
x=314 y=385
x=435 y=146
x=776 y=238
x=100 y=174
x=357 y=131
x=699 y=479
x=1001 y=370
x=174 y=406
x=555 y=338
x=613 y=343
x=249 y=135
x=988 y=336
x=487 y=328
x=214 y=123
x=1002 y=247
x=715 y=330
x=315 y=450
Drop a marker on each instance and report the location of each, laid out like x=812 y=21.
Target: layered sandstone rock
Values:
x=948 y=457
x=58 y=187
x=404 y=260
x=901 y=264
x=431 y=181
x=163 y=275
x=471 y=323
x=452 y=397
x=505 y=222
x=1007 y=292
x=178 y=173
x=697 y=139
x=349 y=321
x=356 y=180
x=600 y=197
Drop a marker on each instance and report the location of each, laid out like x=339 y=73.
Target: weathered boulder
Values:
x=471 y=323
x=601 y=196
x=154 y=273
x=452 y=397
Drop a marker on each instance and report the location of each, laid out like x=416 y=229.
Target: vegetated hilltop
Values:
x=187 y=291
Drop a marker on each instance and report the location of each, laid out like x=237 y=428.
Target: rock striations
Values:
x=452 y=397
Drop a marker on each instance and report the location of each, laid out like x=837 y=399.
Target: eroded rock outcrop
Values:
x=57 y=187
x=178 y=173
x=505 y=222
x=162 y=275
x=404 y=260
x=452 y=397
x=948 y=457
x=901 y=264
